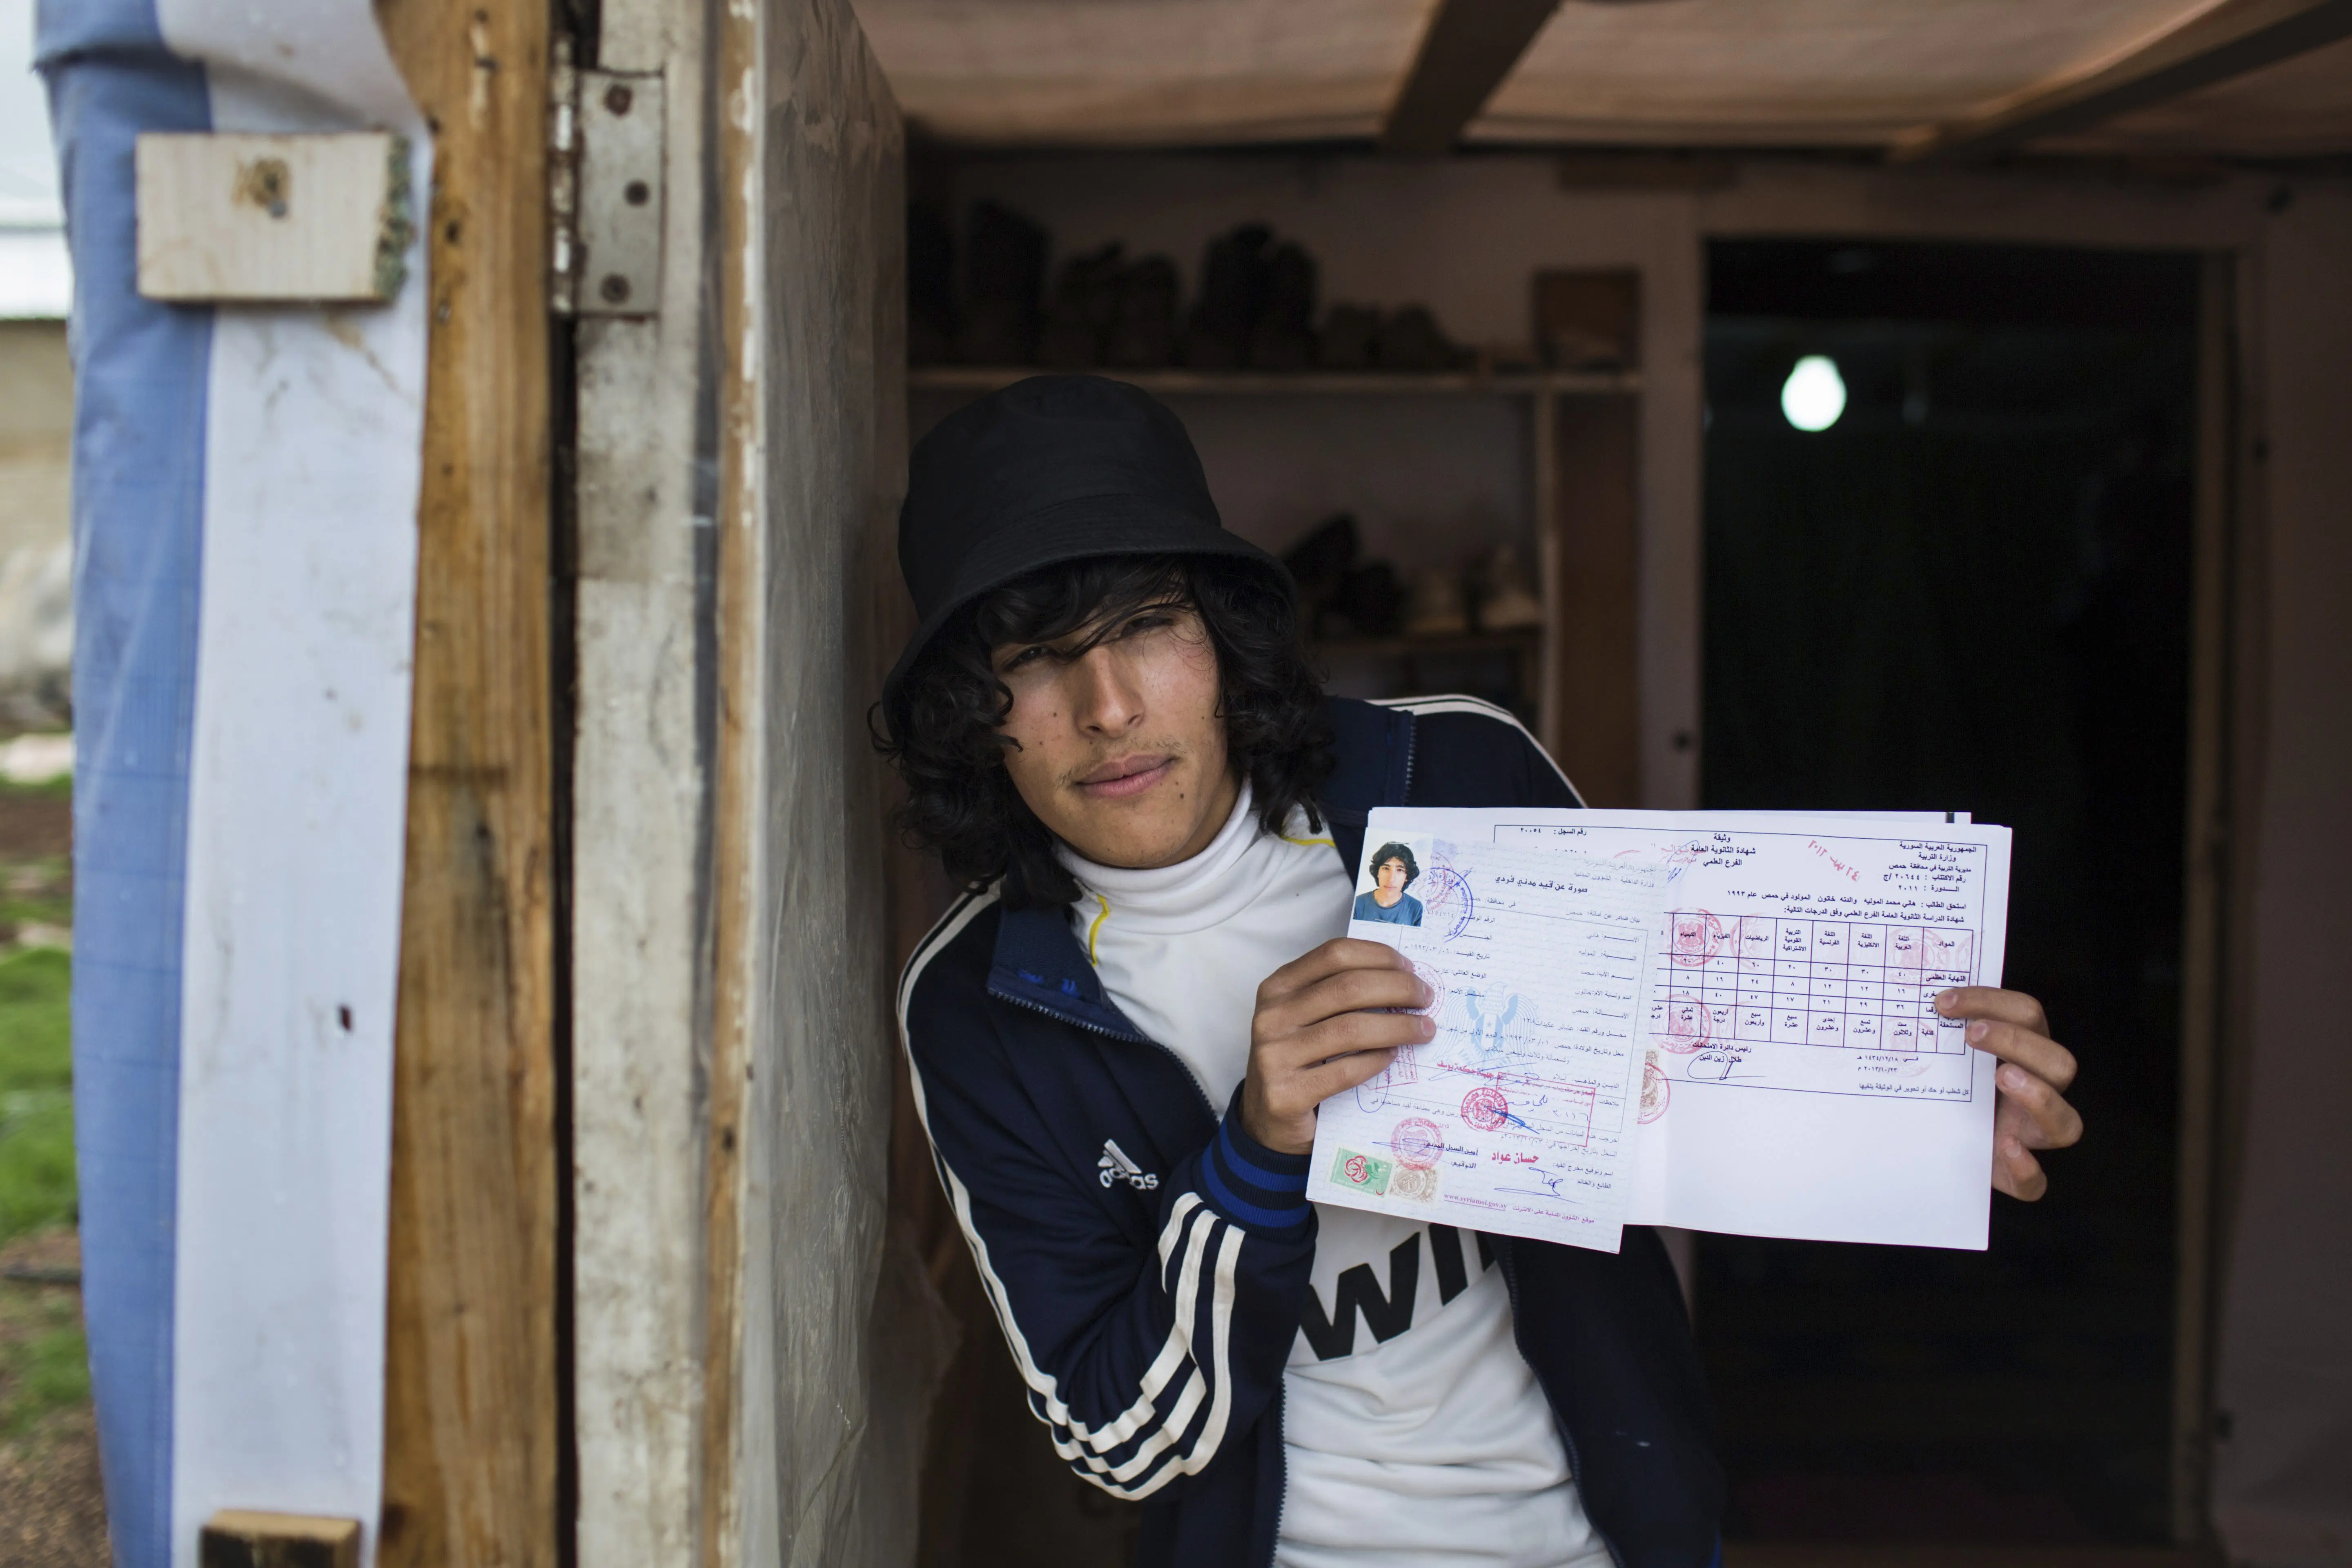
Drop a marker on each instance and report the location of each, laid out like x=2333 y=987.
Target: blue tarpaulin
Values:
x=244 y=489
x=138 y=486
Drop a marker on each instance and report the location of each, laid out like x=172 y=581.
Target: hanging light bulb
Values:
x=1814 y=394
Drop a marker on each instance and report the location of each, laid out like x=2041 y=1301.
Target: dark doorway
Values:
x=1970 y=592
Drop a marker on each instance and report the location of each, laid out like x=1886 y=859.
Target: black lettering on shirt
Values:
x=1387 y=1316
x=1445 y=1251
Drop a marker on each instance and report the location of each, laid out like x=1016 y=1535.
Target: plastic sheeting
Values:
x=1144 y=72
x=1705 y=72
x=139 y=434
x=1810 y=72
x=245 y=521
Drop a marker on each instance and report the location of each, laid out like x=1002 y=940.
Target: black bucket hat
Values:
x=1053 y=468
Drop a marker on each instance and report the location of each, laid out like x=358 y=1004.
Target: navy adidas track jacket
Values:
x=1149 y=1259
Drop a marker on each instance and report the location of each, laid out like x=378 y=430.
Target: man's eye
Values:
x=1149 y=621
x=1026 y=655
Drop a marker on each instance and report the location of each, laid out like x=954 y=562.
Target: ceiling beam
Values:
x=2222 y=41
x=1470 y=47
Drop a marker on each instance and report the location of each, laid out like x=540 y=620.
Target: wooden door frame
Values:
x=2228 y=690
x=1587 y=497
x=472 y=1426
x=2228 y=680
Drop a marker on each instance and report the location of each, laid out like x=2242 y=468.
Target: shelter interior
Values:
x=1515 y=411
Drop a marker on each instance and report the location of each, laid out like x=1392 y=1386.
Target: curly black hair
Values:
x=945 y=734
x=1389 y=852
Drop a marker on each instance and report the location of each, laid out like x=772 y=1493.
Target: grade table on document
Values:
x=1850 y=984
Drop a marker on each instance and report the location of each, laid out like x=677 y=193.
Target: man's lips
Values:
x=1128 y=776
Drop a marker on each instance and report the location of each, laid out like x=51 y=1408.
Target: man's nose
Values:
x=1108 y=701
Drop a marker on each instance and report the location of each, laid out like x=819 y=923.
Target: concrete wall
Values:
x=35 y=427
x=36 y=525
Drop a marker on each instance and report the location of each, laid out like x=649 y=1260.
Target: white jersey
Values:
x=1413 y=1432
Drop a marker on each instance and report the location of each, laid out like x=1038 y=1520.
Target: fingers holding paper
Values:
x=1325 y=1023
x=2034 y=1073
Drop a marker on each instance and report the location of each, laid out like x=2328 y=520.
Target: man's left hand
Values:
x=2032 y=1077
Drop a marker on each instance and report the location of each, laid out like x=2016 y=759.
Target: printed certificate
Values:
x=1713 y=1020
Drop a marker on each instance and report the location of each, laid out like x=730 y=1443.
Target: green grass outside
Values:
x=44 y=1362
x=36 y=892
x=58 y=788
x=36 y=1163
x=43 y=1365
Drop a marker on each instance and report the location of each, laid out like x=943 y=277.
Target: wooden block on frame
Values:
x=227 y=218
x=247 y=1538
x=1588 y=318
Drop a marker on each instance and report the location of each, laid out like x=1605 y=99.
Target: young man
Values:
x=1393 y=870
x=1120 y=1032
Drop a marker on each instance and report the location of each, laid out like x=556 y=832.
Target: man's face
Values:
x=1392 y=875
x=1119 y=750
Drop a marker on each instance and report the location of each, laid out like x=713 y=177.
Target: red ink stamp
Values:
x=1689 y=1026
x=1448 y=901
x=1695 y=937
x=1429 y=976
x=1417 y=1142
x=1657 y=1092
x=1418 y=1184
x=1484 y=1108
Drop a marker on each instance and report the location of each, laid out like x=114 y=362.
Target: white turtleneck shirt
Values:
x=1415 y=1434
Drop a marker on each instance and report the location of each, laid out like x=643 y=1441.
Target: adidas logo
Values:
x=1116 y=1166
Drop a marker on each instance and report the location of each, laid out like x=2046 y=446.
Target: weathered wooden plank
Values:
x=640 y=789
x=1594 y=525
x=248 y=1538
x=811 y=451
x=322 y=216
x=2210 y=44
x=734 y=889
x=1469 y=46
x=2205 y=864
x=471 y=1435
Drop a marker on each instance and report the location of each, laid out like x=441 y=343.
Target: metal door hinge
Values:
x=605 y=189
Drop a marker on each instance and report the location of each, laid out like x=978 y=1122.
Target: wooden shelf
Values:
x=1516 y=640
x=1301 y=384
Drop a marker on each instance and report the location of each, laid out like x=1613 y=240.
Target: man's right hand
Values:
x=1318 y=1032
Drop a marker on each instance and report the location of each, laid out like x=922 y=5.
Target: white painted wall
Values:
x=1429 y=483
x=36 y=434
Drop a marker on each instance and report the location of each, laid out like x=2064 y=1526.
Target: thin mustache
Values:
x=1166 y=756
